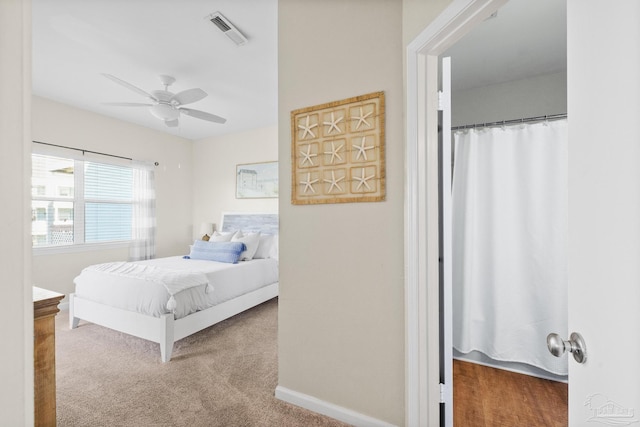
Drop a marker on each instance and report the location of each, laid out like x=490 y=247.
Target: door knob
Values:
x=557 y=346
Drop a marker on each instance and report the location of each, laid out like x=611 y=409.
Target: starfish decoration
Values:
x=333 y=124
x=334 y=182
x=362 y=119
x=362 y=148
x=363 y=180
x=334 y=152
x=307 y=156
x=306 y=128
x=308 y=184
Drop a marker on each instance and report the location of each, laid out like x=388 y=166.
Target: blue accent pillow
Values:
x=217 y=251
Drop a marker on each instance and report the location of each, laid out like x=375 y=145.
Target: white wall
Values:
x=417 y=15
x=214 y=179
x=341 y=309
x=16 y=321
x=60 y=124
x=532 y=97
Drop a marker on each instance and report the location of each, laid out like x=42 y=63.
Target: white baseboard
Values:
x=329 y=409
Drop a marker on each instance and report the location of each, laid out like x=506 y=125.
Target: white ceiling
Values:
x=74 y=41
x=526 y=38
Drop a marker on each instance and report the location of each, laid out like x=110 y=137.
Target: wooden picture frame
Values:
x=337 y=151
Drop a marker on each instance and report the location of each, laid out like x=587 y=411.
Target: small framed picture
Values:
x=257 y=180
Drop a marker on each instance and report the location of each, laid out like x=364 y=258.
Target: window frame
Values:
x=79 y=158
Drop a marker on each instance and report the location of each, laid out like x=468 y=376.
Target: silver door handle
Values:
x=557 y=346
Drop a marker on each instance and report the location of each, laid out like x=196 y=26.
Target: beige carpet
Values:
x=223 y=376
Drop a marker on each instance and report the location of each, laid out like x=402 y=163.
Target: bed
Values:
x=166 y=299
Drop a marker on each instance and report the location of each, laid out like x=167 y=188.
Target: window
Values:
x=108 y=196
x=78 y=201
x=65 y=191
x=38 y=190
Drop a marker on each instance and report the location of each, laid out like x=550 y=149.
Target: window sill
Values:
x=84 y=247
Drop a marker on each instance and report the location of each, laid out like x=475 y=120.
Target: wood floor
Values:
x=488 y=397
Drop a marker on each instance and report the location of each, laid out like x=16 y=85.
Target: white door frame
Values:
x=421 y=204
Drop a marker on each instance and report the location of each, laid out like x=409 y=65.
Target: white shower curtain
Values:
x=510 y=242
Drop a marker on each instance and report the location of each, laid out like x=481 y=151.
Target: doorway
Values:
x=511 y=67
x=604 y=204
x=432 y=46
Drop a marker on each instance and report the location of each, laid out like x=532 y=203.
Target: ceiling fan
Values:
x=166 y=105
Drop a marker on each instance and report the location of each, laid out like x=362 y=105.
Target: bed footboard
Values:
x=73 y=321
x=163 y=330
x=155 y=329
x=167 y=330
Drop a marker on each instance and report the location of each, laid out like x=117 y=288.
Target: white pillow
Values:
x=275 y=249
x=251 y=241
x=264 y=247
x=221 y=237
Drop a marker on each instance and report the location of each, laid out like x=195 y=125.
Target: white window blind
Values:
x=108 y=195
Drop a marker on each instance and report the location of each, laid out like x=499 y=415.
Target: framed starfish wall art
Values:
x=337 y=151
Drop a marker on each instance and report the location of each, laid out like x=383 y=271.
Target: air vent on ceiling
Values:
x=227 y=28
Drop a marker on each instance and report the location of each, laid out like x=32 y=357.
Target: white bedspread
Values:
x=174 y=281
x=138 y=293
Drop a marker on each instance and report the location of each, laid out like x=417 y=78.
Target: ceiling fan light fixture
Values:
x=164 y=111
x=168 y=106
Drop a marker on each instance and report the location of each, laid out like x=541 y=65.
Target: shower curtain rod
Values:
x=512 y=122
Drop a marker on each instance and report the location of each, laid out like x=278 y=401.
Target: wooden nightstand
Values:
x=45 y=308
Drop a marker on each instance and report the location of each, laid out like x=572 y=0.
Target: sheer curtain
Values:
x=510 y=242
x=143 y=233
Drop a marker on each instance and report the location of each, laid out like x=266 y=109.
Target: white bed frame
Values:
x=166 y=330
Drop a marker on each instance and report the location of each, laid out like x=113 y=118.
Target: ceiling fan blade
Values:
x=129 y=86
x=202 y=115
x=171 y=123
x=188 y=96
x=127 y=104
